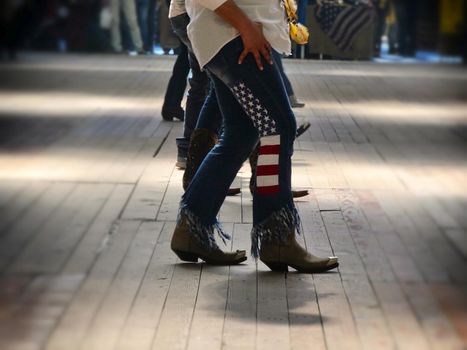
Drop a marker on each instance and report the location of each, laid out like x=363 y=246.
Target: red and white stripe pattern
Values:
x=267 y=170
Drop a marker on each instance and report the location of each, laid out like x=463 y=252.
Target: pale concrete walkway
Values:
x=89 y=196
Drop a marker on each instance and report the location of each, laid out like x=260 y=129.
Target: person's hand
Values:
x=255 y=43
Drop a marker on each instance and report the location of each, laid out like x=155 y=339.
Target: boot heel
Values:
x=279 y=267
x=190 y=257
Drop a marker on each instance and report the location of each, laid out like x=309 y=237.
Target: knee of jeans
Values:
x=238 y=149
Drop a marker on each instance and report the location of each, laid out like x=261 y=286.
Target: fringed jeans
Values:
x=255 y=107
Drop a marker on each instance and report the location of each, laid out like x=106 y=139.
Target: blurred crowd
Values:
x=136 y=26
x=127 y=26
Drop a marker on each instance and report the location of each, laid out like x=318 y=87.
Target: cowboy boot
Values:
x=278 y=255
x=295 y=103
x=182 y=151
x=201 y=142
x=170 y=112
x=253 y=159
x=192 y=241
x=302 y=128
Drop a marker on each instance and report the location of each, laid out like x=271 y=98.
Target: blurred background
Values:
x=89 y=187
x=424 y=29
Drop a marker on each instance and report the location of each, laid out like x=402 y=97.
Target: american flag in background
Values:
x=342 y=23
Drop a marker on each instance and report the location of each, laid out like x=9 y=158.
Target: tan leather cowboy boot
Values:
x=190 y=246
x=279 y=255
x=274 y=241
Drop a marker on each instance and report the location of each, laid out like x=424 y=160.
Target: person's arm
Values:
x=251 y=33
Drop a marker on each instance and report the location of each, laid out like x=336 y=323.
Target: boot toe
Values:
x=225 y=258
x=333 y=262
x=234 y=191
x=299 y=193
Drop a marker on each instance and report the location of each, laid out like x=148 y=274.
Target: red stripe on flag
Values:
x=269 y=149
x=268 y=189
x=262 y=170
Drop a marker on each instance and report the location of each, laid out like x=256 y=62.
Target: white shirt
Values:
x=177 y=8
x=208 y=32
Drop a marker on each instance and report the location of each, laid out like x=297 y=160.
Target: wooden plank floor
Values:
x=89 y=197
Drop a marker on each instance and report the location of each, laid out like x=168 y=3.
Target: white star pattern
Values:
x=259 y=115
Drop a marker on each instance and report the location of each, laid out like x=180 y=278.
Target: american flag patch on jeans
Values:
x=267 y=171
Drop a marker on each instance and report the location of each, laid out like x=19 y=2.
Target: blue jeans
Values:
x=255 y=107
x=210 y=117
x=278 y=60
x=199 y=81
x=146 y=11
x=177 y=82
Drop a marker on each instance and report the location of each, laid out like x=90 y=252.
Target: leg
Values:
x=204 y=137
x=209 y=186
x=263 y=99
x=115 y=28
x=194 y=235
x=151 y=26
x=294 y=102
x=254 y=105
x=176 y=87
x=278 y=61
x=129 y=10
x=142 y=9
x=190 y=157
x=198 y=82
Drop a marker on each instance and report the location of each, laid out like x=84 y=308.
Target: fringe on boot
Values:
x=203 y=234
x=275 y=228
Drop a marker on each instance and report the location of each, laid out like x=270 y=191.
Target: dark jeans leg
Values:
x=254 y=106
x=177 y=83
x=210 y=116
x=209 y=186
x=199 y=83
x=278 y=61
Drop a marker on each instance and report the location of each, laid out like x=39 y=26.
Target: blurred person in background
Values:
x=381 y=11
x=146 y=13
x=10 y=30
x=127 y=8
x=464 y=36
x=82 y=25
x=172 y=106
x=406 y=14
x=34 y=24
x=391 y=28
x=198 y=82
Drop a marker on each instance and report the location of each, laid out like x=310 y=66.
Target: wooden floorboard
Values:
x=89 y=197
